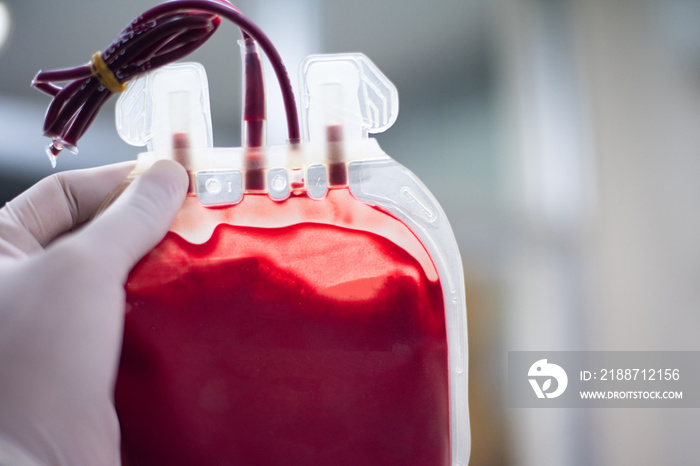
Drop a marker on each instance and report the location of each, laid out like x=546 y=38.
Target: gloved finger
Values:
x=137 y=220
x=55 y=205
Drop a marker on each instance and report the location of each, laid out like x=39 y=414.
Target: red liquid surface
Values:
x=308 y=344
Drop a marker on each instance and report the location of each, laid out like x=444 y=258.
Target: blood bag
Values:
x=307 y=306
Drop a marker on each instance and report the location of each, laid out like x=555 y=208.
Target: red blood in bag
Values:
x=307 y=344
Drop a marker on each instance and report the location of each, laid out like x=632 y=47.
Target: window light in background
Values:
x=4 y=24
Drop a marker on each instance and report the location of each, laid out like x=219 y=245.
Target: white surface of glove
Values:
x=62 y=307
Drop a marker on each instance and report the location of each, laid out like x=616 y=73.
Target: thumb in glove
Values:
x=61 y=317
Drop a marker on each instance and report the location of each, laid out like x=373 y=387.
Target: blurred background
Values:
x=561 y=137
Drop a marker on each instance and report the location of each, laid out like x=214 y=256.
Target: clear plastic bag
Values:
x=316 y=318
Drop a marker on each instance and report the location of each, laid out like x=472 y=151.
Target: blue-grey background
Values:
x=561 y=137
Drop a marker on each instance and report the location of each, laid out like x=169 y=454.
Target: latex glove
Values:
x=62 y=304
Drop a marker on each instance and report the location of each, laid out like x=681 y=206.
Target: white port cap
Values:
x=349 y=90
x=168 y=101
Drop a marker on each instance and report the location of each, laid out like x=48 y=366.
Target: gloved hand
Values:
x=62 y=305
